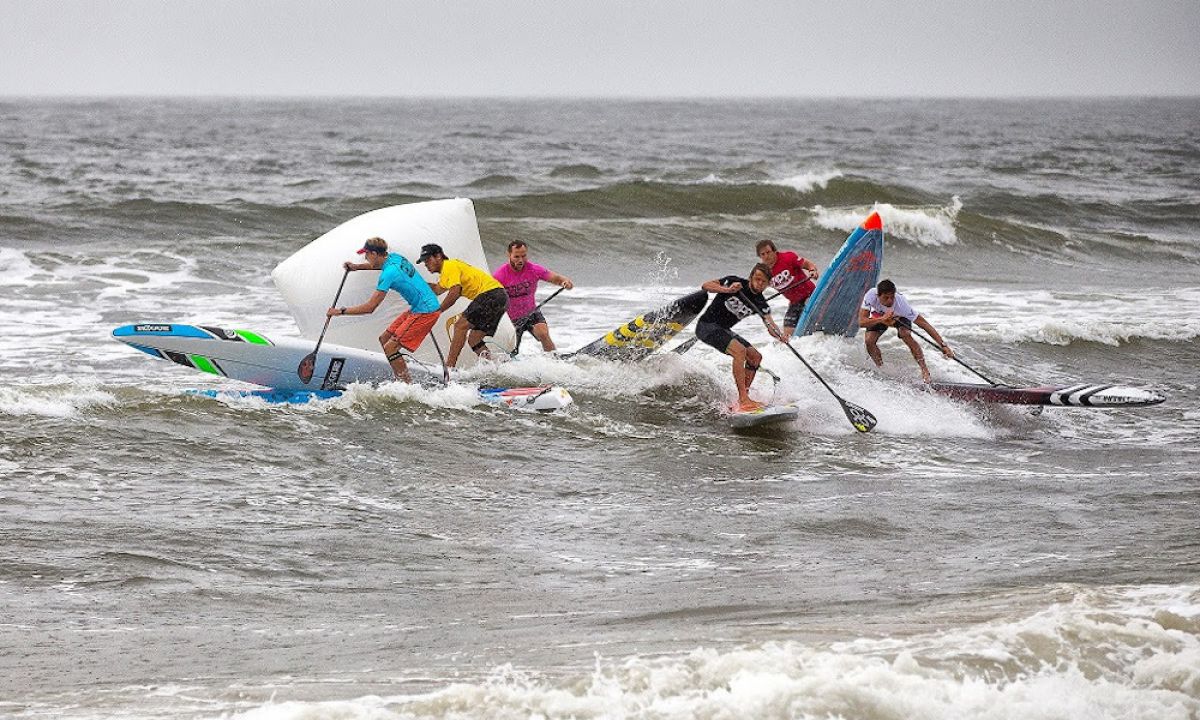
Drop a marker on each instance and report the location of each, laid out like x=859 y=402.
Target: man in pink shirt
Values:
x=520 y=278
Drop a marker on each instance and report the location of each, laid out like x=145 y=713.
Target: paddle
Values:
x=929 y=340
x=521 y=335
x=860 y=418
x=445 y=370
x=309 y=363
x=686 y=345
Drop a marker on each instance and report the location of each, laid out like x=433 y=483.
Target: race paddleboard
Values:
x=271 y=362
x=833 y=306
x=763 y=416
x=547 y=398
x=647 y=332
x=255 y=358
x=1082 y=395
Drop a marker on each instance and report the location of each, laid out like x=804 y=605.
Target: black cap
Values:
x=428 y=251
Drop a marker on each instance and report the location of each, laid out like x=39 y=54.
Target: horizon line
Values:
x=588 y=97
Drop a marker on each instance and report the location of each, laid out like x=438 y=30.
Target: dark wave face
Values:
x=1115 y=177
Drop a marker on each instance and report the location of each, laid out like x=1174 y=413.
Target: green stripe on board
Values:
x=252 y=337
x=203 y=363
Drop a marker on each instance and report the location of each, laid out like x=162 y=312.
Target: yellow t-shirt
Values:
x=473 y=280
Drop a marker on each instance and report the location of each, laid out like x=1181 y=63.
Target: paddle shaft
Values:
x=442 y=358
x=521 y=334
x=929 y=340
x=789 y=286
x=337 y=296
x=686 y=345
x=311 y=358
x=860 y=418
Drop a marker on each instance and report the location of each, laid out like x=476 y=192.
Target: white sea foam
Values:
x=1061 y=318
x=1116 y=653
x=63 y=398
x=923 y=226
x=803 y=182
x=15 y=267
x=807 y=181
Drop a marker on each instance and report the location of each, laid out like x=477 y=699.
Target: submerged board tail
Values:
x=647 y=332
x=833 y=307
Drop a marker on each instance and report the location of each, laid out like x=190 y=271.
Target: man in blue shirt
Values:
x=396 y=273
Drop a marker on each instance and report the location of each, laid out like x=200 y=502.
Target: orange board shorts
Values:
x=411 y=328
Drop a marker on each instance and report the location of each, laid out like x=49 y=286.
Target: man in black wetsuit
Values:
x=737 y=298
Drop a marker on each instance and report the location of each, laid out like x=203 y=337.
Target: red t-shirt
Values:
x=788 y=268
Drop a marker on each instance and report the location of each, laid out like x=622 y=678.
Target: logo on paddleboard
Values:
x=152 y=328
x=863 y=261
x=333 y=374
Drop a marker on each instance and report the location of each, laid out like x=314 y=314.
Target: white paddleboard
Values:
x=271 y=362
x=763 y=416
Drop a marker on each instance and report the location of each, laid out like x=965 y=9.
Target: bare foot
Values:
x=750 y=406
x=925 y=377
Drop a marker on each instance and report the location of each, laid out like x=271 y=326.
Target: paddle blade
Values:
x=306 y=367
x=860 y=418
x=686 y=345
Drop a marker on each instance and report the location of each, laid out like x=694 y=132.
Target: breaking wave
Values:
x=1095 y=653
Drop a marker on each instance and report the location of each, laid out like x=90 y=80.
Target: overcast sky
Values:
x=600 y=48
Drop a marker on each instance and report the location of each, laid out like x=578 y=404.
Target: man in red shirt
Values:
x=793 y=277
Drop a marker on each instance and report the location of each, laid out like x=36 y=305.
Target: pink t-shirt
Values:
x=521 y=287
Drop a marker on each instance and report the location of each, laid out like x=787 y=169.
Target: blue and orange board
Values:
x=833 y=307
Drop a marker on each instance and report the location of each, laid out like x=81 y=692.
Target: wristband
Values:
x=343 y=310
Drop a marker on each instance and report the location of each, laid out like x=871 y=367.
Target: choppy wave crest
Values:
x=1064 y=318
x=932 y=226
x=1128 y=653
x=63 y=398
x=711 y=196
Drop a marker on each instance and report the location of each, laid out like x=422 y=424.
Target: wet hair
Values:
x=516 y=244
x=376 y=245
x=885 y=286
x=765 y=243
x=762 y=268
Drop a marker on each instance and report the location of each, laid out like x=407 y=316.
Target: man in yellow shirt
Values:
x=489 y=300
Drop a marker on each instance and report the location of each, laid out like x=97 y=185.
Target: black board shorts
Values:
x=718 y=337
x=880 y=328
x=486 y=309
x=525 y=323
x=792 y=317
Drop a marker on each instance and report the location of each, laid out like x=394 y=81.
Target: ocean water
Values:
x=406 y=553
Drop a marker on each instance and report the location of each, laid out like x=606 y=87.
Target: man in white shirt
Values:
x=882 y=308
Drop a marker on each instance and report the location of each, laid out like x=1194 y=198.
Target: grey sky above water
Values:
x=598 y=48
